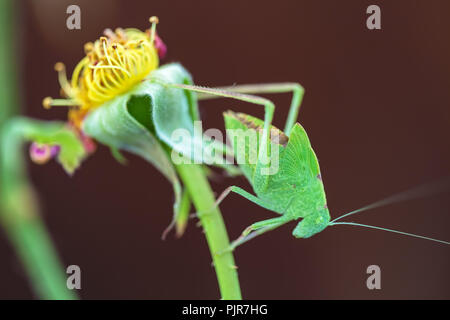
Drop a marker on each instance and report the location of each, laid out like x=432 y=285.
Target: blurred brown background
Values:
x=376 y=109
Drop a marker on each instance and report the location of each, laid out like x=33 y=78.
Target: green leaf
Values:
x=172 y=109
x=20 y=129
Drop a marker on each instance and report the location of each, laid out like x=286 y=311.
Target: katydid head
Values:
x=313 y=223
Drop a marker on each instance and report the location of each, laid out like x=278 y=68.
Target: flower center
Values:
x=113 y=65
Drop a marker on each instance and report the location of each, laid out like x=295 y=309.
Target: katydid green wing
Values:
x=245 y=143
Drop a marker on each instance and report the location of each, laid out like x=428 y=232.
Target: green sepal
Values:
x=118 y=156
x=182 y=216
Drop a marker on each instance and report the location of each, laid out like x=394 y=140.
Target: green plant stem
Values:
x=18 y=211
x=20 y=217
x=35 y=249
x=202 y=196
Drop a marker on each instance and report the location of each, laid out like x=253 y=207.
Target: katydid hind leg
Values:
x=281 y=87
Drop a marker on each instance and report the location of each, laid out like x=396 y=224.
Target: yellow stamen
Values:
x=49 y=102
x=111 y=67
x=154 y=21
x=110 y=34
x=62 y=78
x=88 y=47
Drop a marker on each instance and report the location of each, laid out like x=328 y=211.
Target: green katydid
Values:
x=296 y=190
x=140 y=109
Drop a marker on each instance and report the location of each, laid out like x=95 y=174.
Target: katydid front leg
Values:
x=296 y=89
